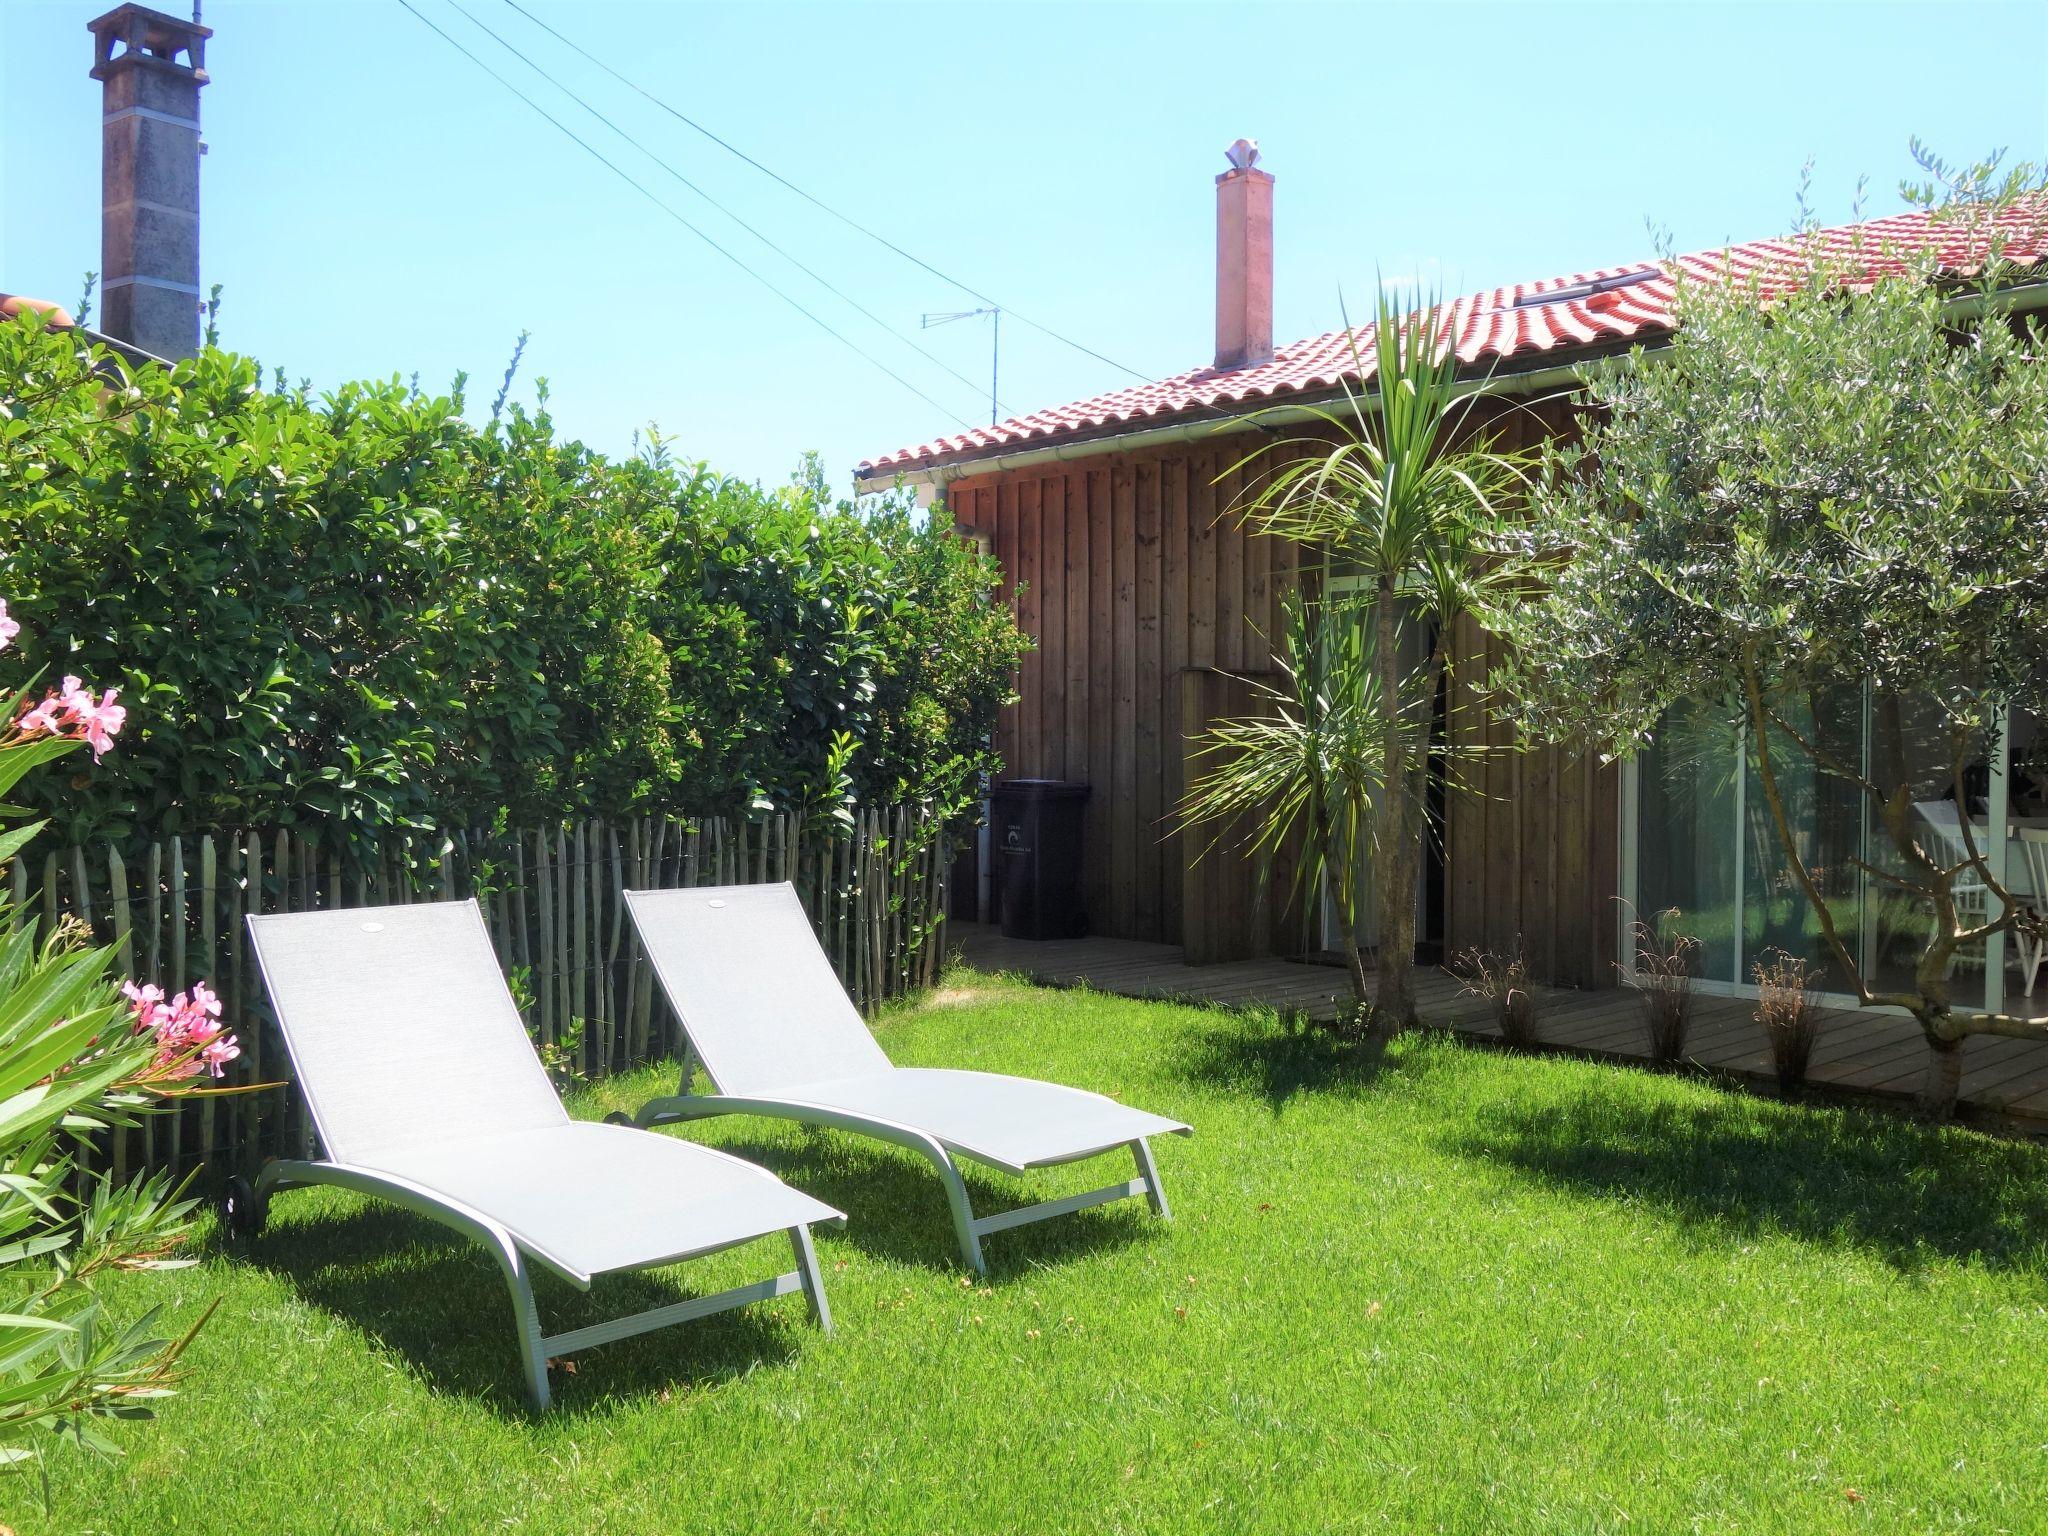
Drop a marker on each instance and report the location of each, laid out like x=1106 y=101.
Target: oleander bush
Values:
x=79 y=1055
x=357 y=611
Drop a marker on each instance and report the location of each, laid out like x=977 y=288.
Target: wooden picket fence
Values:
x=875 y=893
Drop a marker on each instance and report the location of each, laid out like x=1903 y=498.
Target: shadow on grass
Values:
x=1274 y=1058
x=1734 y=1167
x=442 y=1304
x=896 y=1207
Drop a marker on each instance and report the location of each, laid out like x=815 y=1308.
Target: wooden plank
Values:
x=1290 y=907
x=49 y=888
x=618 y=1013
x=1462 y=842
x=1571 y=957
x=1502 y=920
x=1219 y=875
x=1536 y=835
x=562 y=962
x=1202 y=559
x=155 y=931
x=542 y=975
x=238 y=1135
x=1603 y=872
x=1258 y=585
x=1148 y=747
x=1229 y=551
x=1079 y=569
x=122 y=922
x=253 y=1010
x=1052 y=626
x=180 y=977
x=1098 y=819
x=1004 y=527
x=1121 y=916
x=1029 y=545
x=209 y=882
x=1174 y=512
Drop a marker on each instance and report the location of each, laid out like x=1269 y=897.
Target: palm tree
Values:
x=1406 y=493
x=1305 y=768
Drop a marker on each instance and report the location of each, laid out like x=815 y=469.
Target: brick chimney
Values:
x=1244 y=260
x=150 y=67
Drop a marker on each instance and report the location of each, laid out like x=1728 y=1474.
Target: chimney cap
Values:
x=1243 y=155
x=150 y=39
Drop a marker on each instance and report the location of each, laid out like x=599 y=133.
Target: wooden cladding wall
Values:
x=1125 y=574
x=1530 y=838
x=1227 y=913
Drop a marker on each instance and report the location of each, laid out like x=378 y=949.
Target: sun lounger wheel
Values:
x=242 y=1210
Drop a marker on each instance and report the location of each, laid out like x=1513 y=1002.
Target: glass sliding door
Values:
x=1687 y=861
x=1825 y=813
x=1909 y=750
x=1701 y=838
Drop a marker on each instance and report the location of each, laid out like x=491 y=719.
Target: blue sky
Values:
x=374 y=204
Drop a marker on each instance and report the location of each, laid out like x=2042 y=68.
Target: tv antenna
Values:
x=995 y=345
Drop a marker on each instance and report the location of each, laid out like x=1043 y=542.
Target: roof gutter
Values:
x=2022 y=298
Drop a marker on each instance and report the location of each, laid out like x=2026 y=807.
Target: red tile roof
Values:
x=1490 y=329
x=54 y=314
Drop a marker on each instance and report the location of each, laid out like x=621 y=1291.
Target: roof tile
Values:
x=1489 y=328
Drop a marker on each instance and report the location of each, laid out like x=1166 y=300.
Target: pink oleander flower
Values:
x=74 y=712
x=44 y=719
x=142 y=997
x=98 y=722
x=9 y=628
x=218 y=1052
x=187 y=1031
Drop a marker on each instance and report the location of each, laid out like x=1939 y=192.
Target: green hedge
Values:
x=359 y=611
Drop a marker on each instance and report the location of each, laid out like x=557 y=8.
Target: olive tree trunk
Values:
x=1944 y=1026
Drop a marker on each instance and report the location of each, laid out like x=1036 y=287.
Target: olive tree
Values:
x=1826 y=488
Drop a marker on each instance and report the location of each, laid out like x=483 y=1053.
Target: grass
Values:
x=1436 y=1289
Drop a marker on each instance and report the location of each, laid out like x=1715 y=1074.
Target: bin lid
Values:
x=1039 y=789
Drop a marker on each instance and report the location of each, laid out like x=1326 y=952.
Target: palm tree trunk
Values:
x=1395 y=1009
x=1340 y=883
x=1354 y=966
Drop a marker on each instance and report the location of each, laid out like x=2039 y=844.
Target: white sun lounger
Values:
x=426 y=1092
x=779 y=1037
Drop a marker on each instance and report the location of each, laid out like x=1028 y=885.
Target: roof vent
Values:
x=1586 y=290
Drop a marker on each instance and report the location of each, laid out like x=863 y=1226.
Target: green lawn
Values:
x=1446 y=1290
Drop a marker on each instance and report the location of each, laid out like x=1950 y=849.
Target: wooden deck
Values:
x=1863 y=1055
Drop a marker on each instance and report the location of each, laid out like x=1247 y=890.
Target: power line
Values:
x=817 y=277
x=641 y=188
x=847 y=220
